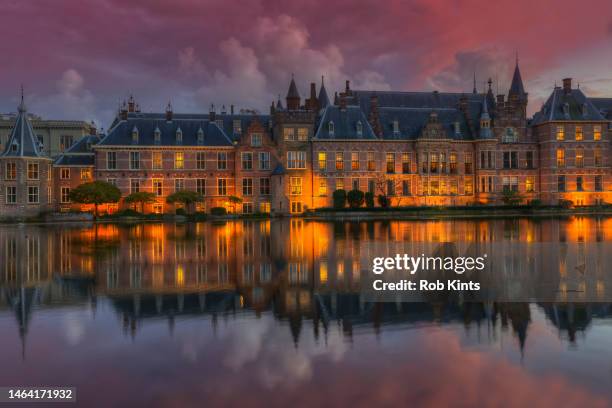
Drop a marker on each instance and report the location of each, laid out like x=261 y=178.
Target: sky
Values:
x=77 y=59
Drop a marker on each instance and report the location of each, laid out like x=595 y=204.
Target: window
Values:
x=134 y=160
x=487 y=160
x=264 y=186
x=598 y=183
x=11 y=171
x=289 y=134
x=264 y=207
x=561 y=183
x=247 y=161
x=529 y=184
x=86 y=174
x=396 y=130
x=237 y=126
x=578 y=133
x=221 y=186
x=264 y=160
x=434 y=187
x=200 y=140
x=296 y=160
x=256 y=139
x=11 y=194
x=65 y=195
x=112 y=181
x=65 y=142
x=390 y=187
x=468 y=187
x=359 y=129
x=64 y=173
x=371 y=162
x=529 y=160
x=405 y=162
x=179 y=160
x=442 y=162
x=295 y=184
x=371 y=186
x=247 y=208
x=560 y=133
x=179 y=184
x=302 y=134
x=134 y=135
x=330 y=128
x=134 y=185
x=33 y=194
x=453 y=163
x=510 y=136
x=405 y=187
x=296 y=207
x=354 y=161
x=560 y=157
x=579 y=183
x=201 y=186
x=201 y=160
x=221 y=161
x=510 y=160
x=355 y=184
x=32 y=171
x=322 y=187
x=339 y=184
x=433 y=163
x=339 y=161
x=510 y=183
x=247 y=186
x=158 y=187
x=390 y=160
x=322 y=158
x=157 y=160
x=597 y=156
x=580 y=157
x=468 y=164
x=157 y=136
x=596 y=132
x=111 y=160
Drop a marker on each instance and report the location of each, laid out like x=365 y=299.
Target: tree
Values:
x=369 y=199
x=96 y=193
x=186 y=197
x=386 y=188
x=234 y=200
x=339 y=197
x=140 y=197
x=511 y=197
x=355 y=198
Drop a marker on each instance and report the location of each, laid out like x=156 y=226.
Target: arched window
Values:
x=179 y=136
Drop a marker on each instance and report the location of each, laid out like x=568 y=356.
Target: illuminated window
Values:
x=468 y=187
x=371 y=162
x=296 y=207
x=323 y=272
x=433 y=163
x=179 y=160
x=302 y=134
x=339 y=184
x=354 y=161
x=64 y=173
x=264 y=207
x=560 y=157
x=529 y=184
x=560 y=133
x=597 y=156
x=596 y=132
x=247 y=161
x=296 y=160
x=86 y=174
x=11 y=171
x=453 y=163
x=578 y=133
x=157 y=160
x=289 y=134
x=580 y=157
x=295 y=185
x=390 y=160
x=339 y=161
x=322 y=158
x=454 y=188
x=322 y=187
x=33 y=171
x=158 y=187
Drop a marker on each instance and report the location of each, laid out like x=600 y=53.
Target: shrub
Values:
x=566 y=204
x=180 y=211
x=383 y=201
x=128 y=212
x=535 y=203
x=339 y=199
x=369 y=199
x=218 y=211
x=511 y=197
x=355 y=198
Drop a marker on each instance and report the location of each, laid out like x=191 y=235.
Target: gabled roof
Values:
x=345 y=124
x=22 y=142
x=563 y=106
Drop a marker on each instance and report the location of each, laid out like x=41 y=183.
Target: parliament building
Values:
x=416 y=148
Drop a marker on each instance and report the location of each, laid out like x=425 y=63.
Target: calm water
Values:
x=244 y=314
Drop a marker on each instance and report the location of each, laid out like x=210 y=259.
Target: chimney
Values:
x=373 y=117
x=567 y=85
x=92 y=129
x=223 y=112
x=232 y=108
x=342 y=103
x=348 y=87
x=212 y=114
x=169 y=112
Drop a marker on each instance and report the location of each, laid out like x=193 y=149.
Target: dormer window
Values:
x=135 y=135
x=14 y=146
x=179 y=136
x=237 y=126
x=585 y=109
x=458 y=128
x=157 y=136
x=359 y=129
x=87 y=146
x=396 y=127
x=566 y=112
x=331 y=128
x=511 y=136
x=200 y=137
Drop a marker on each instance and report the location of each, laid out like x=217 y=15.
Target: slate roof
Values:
x=604 y=105
x=573 y=105
x=345 y=124
x=293 y=92
x=516 y=88
x=278 y=170
x=23 y=141
x=80 y=153
x=411 y=122
x=71 y=160
x=323 y=98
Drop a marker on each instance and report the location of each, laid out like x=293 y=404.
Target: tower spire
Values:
x=474 y=90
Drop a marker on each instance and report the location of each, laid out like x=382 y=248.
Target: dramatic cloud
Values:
x=243 y=52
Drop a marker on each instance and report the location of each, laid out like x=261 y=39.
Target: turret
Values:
x=293 y=96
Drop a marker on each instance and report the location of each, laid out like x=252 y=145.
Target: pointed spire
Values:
x=516 y=88
x=22 y=141
x=293 y=96
x=279 y=104
x=21 y=107
x=323 y=98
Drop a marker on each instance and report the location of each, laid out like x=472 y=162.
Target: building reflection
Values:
x=294 y=268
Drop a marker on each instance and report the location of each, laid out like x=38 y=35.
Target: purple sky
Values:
x=78 y=58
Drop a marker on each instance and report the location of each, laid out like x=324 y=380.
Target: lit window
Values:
x=322 y=156
x=296 y=160
x=339 y=161
x=597 y=132
x=560 y=133
x=157 y=160
x=64 y=173
x=468 y=187
x=339 y=184
x=289 y=134
x=390 y=162
x=529 y=184
x=179 y=160
x=578 y=133
x=295 y=185
x=86 y=174
x=32 y=171
x=453 y=162
x=580 y=157
x=560 y=158
x=322 y=187
x=354 y=161
x=371 y=162
x=11 y=171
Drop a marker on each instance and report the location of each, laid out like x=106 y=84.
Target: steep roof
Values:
x=411 y=121
x=80 y=153
x=323 y=98
x=604 y=105
x=293 y=92
x=23 y=141
x=516 y=88
x=572 y=105
x=346 y=123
